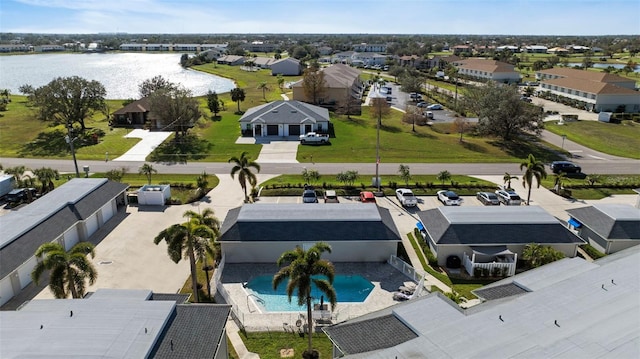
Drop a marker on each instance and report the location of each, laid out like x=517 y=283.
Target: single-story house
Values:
x=135 y=114
x=570 y=308
x=284 y=118
x=484 y=69
x=342 y=83
x=260 y=233
x=116 y=323
x=261 y=61
x=232 y=60
x=599 y=91
x=607 y=227
x=286 y=67
x=67 y=215
x=488 y=237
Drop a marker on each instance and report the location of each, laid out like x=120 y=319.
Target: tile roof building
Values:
x=599 y=91
x=484 y=69
x=341 y=84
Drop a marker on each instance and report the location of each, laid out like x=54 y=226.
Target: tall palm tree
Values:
x=237 y=95
x=183 y=240
x=300 y=267
x=243 y=165
x=535 y=169
x=46 y=176
x=264 y=87
x=68 y=270
x=507 y=179
x=207 y=246
x=147 y=170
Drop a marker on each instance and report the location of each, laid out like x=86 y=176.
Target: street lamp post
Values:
x=563 y=137
x=70 y=140
x=378 y=97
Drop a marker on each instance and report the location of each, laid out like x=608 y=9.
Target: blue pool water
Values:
x=349 y=289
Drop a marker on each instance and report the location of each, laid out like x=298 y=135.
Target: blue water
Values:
x=349 y=289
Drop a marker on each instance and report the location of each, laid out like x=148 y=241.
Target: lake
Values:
x=604 y=66
x=120 y=73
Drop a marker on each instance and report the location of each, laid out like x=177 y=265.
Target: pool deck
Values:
x=385 y=278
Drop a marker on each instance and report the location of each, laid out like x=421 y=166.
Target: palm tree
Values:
x=68 y=270
x=300 y=268
x=444 y=176
x=535 y=169
x=147 y=170
x=507 y=179
x=18 y=174
x=207 y=246
x=46 y=176
x=238 y=95
x=183 y=240
x=243 y=165
x=264 y=87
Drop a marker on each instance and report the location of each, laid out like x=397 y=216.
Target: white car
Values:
x=449 y=198
x=435 y=106
x=406 y=198
x=508 y=198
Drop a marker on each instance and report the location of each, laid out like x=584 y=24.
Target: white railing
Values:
x=405 y=268
x=470 y=266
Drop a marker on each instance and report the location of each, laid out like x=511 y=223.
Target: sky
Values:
x=478 y=17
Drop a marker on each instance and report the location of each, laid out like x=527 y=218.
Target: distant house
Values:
x=462 y=49
x=286 y=67
x=607 y=227
x=284 y=118
x=410 y=60
x=116 y=323
x=232 y=60
x=598 y=91
x=480 y=235
x=441 y=62
x=484 y=69
x=344 y=57
x=369 y=58
x=536 y=49
x=135 y=114
x=67 y=215
x=260 y=233
x=364 y=47
x=511 y=48
x=342 y=83
x=259 y=46
x=558 y=51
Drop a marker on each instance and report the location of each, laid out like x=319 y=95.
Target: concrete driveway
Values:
x=139 y=152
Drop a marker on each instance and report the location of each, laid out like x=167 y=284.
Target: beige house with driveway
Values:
x=342 y=83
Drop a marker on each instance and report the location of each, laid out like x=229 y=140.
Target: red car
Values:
x=367 y=197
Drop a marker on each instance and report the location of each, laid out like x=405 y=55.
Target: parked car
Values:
x=435 y=106
x=367 y=197
x=488 y=198
x=449 y=198
x=525 y=98
x=313 y=137
x=309 y=196
x=406 y=198
x=330 y=197
x=565 y=166
x=428 y=114
x=508 y=198
x=415 y=96
x=21 y=194
x=422 y=104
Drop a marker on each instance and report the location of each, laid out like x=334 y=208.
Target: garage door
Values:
x=272 y=130
x=294 y=130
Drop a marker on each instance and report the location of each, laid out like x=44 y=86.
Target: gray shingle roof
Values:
x=308 y=222
x=610 y=221
x=372 y=334
x=494 y=226
x=289 y=112
x=50 y=216
x=501 y=291
x=194 y=331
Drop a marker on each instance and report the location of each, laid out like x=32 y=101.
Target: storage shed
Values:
x=154 y=195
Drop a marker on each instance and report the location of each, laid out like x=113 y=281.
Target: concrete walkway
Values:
x=142 y=149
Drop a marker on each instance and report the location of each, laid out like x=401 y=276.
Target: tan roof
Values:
x=585 y=75
x=337 y=76
x=492 y=66
x=595 y=87
x=558 y=49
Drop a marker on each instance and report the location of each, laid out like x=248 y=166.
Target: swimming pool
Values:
x=349 y=289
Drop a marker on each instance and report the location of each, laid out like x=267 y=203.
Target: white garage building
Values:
x=260 y=233
x=69 y=214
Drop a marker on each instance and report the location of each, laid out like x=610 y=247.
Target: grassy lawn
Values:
x=269 y=344
x=618 y=139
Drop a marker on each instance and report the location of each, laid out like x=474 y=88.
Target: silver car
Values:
x=488 y=198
